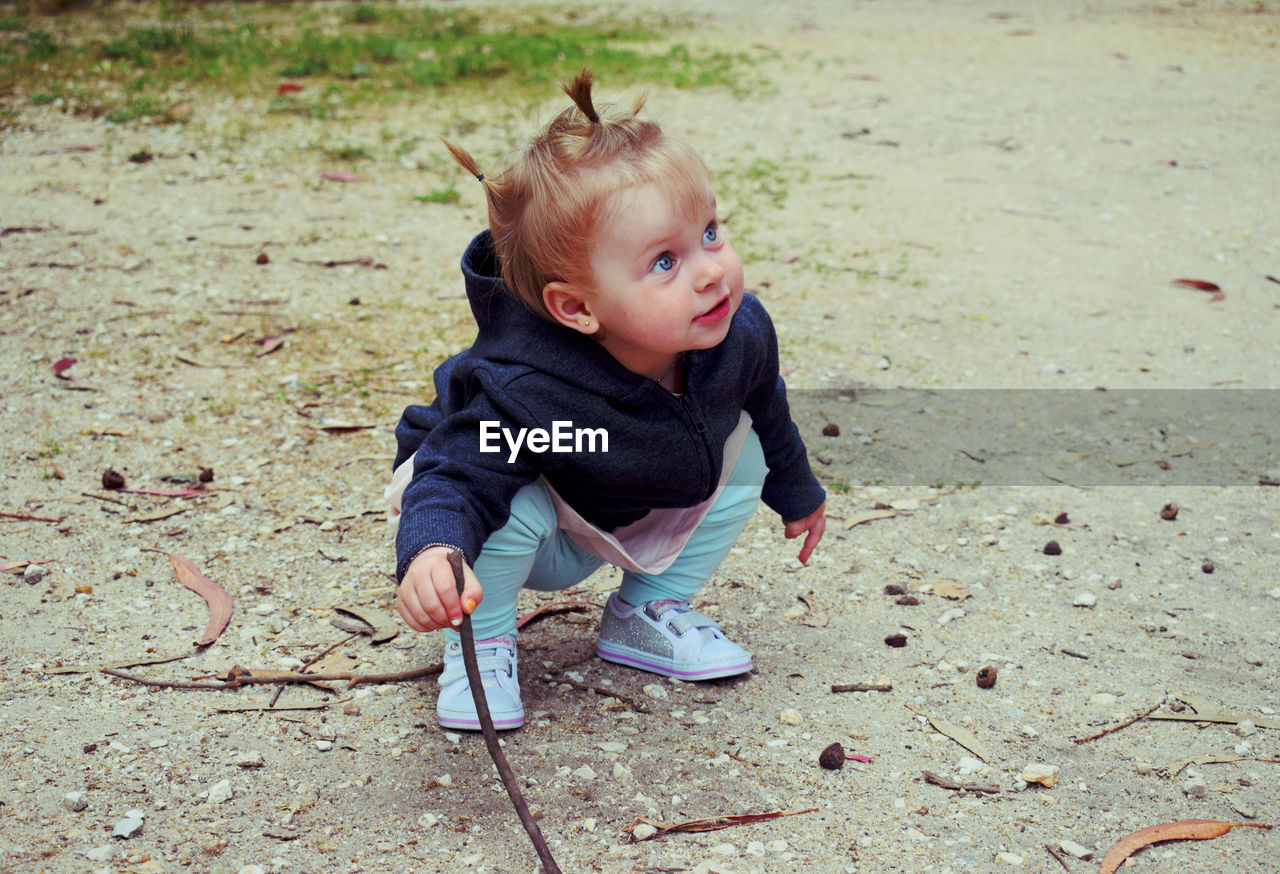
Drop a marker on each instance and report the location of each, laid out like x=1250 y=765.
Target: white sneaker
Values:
x=668 y=638
x=496 y=657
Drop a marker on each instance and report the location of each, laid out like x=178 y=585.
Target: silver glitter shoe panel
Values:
x=635 y=633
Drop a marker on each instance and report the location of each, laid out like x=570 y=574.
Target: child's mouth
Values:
x=715 y=314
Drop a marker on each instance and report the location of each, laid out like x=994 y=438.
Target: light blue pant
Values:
x=530 y=551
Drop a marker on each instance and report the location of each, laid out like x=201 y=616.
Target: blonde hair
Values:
x=545 y=207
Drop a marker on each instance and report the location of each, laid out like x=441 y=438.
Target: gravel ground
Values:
x=956 y=197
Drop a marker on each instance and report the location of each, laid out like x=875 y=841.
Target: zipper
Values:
x=693 y=413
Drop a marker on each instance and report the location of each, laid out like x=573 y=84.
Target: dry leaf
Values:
x=817 y=615
x=561 y=607
x=713 y=823
x=1202 y=285
x=1182 y=830
x=384 y=628
x=952 y=591
x=962 y=736
x=61 y=365
x=269 y=345
x=21 y=564
x=214 y=595
x=868 y=516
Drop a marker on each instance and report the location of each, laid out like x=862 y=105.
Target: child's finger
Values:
x=410 y=609
x=472 y=592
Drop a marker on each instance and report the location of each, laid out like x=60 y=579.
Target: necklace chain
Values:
x=662 y=379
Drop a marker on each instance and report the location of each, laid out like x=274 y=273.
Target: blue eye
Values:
x=663 y=263
x=711 y=234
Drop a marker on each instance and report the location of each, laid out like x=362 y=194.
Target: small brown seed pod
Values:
x=112 y=479
x=832 y=758
x=1169 y=512
x=1052 y=548
x=831 y=430
x=896 y=640
x=986 y=677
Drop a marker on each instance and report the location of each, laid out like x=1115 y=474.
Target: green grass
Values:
x=375 y=51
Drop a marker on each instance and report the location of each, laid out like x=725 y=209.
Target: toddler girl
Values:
x=621 y=404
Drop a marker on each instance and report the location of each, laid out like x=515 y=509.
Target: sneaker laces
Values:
x=491 y=658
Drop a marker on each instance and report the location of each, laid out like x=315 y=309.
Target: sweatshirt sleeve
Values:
x=790 y=488
x=458 y=495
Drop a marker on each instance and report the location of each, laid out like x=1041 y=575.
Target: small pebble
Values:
x=75 y=801
x=127 y=827
x=1195 y=789
x=324 y=745
x=1062 y=519
x=34 y=574
x=248 y=760
x=907 y=601
x=1244 y=728
x=585 y=773
x=790 y=716
x=1074 y=849
x=986 y=677
x=220 y=792
x=1207 y=567
x=950 y=615
x=894 y=589
x=896 y=640
x=643 y=831
x=1009 y=858
x=1085 y=599
x=1045 y=775
x=831 y=429
x=656 y=691
x=1052 y=548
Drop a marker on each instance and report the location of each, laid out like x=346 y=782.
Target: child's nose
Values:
x=710 y=272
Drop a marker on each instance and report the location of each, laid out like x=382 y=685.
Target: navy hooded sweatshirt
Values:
x=524 y=371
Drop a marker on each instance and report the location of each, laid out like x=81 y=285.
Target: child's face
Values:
x=662 y=283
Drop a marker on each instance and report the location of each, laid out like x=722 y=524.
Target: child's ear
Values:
x=567 y=303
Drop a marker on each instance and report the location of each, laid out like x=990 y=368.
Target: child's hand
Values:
x=428 y=598
x=815 y=524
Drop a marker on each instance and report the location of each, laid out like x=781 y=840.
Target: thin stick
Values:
x=599 y=690
x=1052 y=852
x=862 y=687
x=311 y=661
x=947 y=783
x=353 y=679
x=549 y=865
x=1128 y=722
x=23 y=517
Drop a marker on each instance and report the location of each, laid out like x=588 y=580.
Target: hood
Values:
x=511 y=333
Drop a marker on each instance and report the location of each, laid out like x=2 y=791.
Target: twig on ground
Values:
x=1128 y=722
x=1074 y=654
x=947 y=783
x=311 y=661
x=248 y=679
x=23 y=517
x=549 y=865
x=862 y=687
x=599 y=690
x=710 y=824
x=1057 y=855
